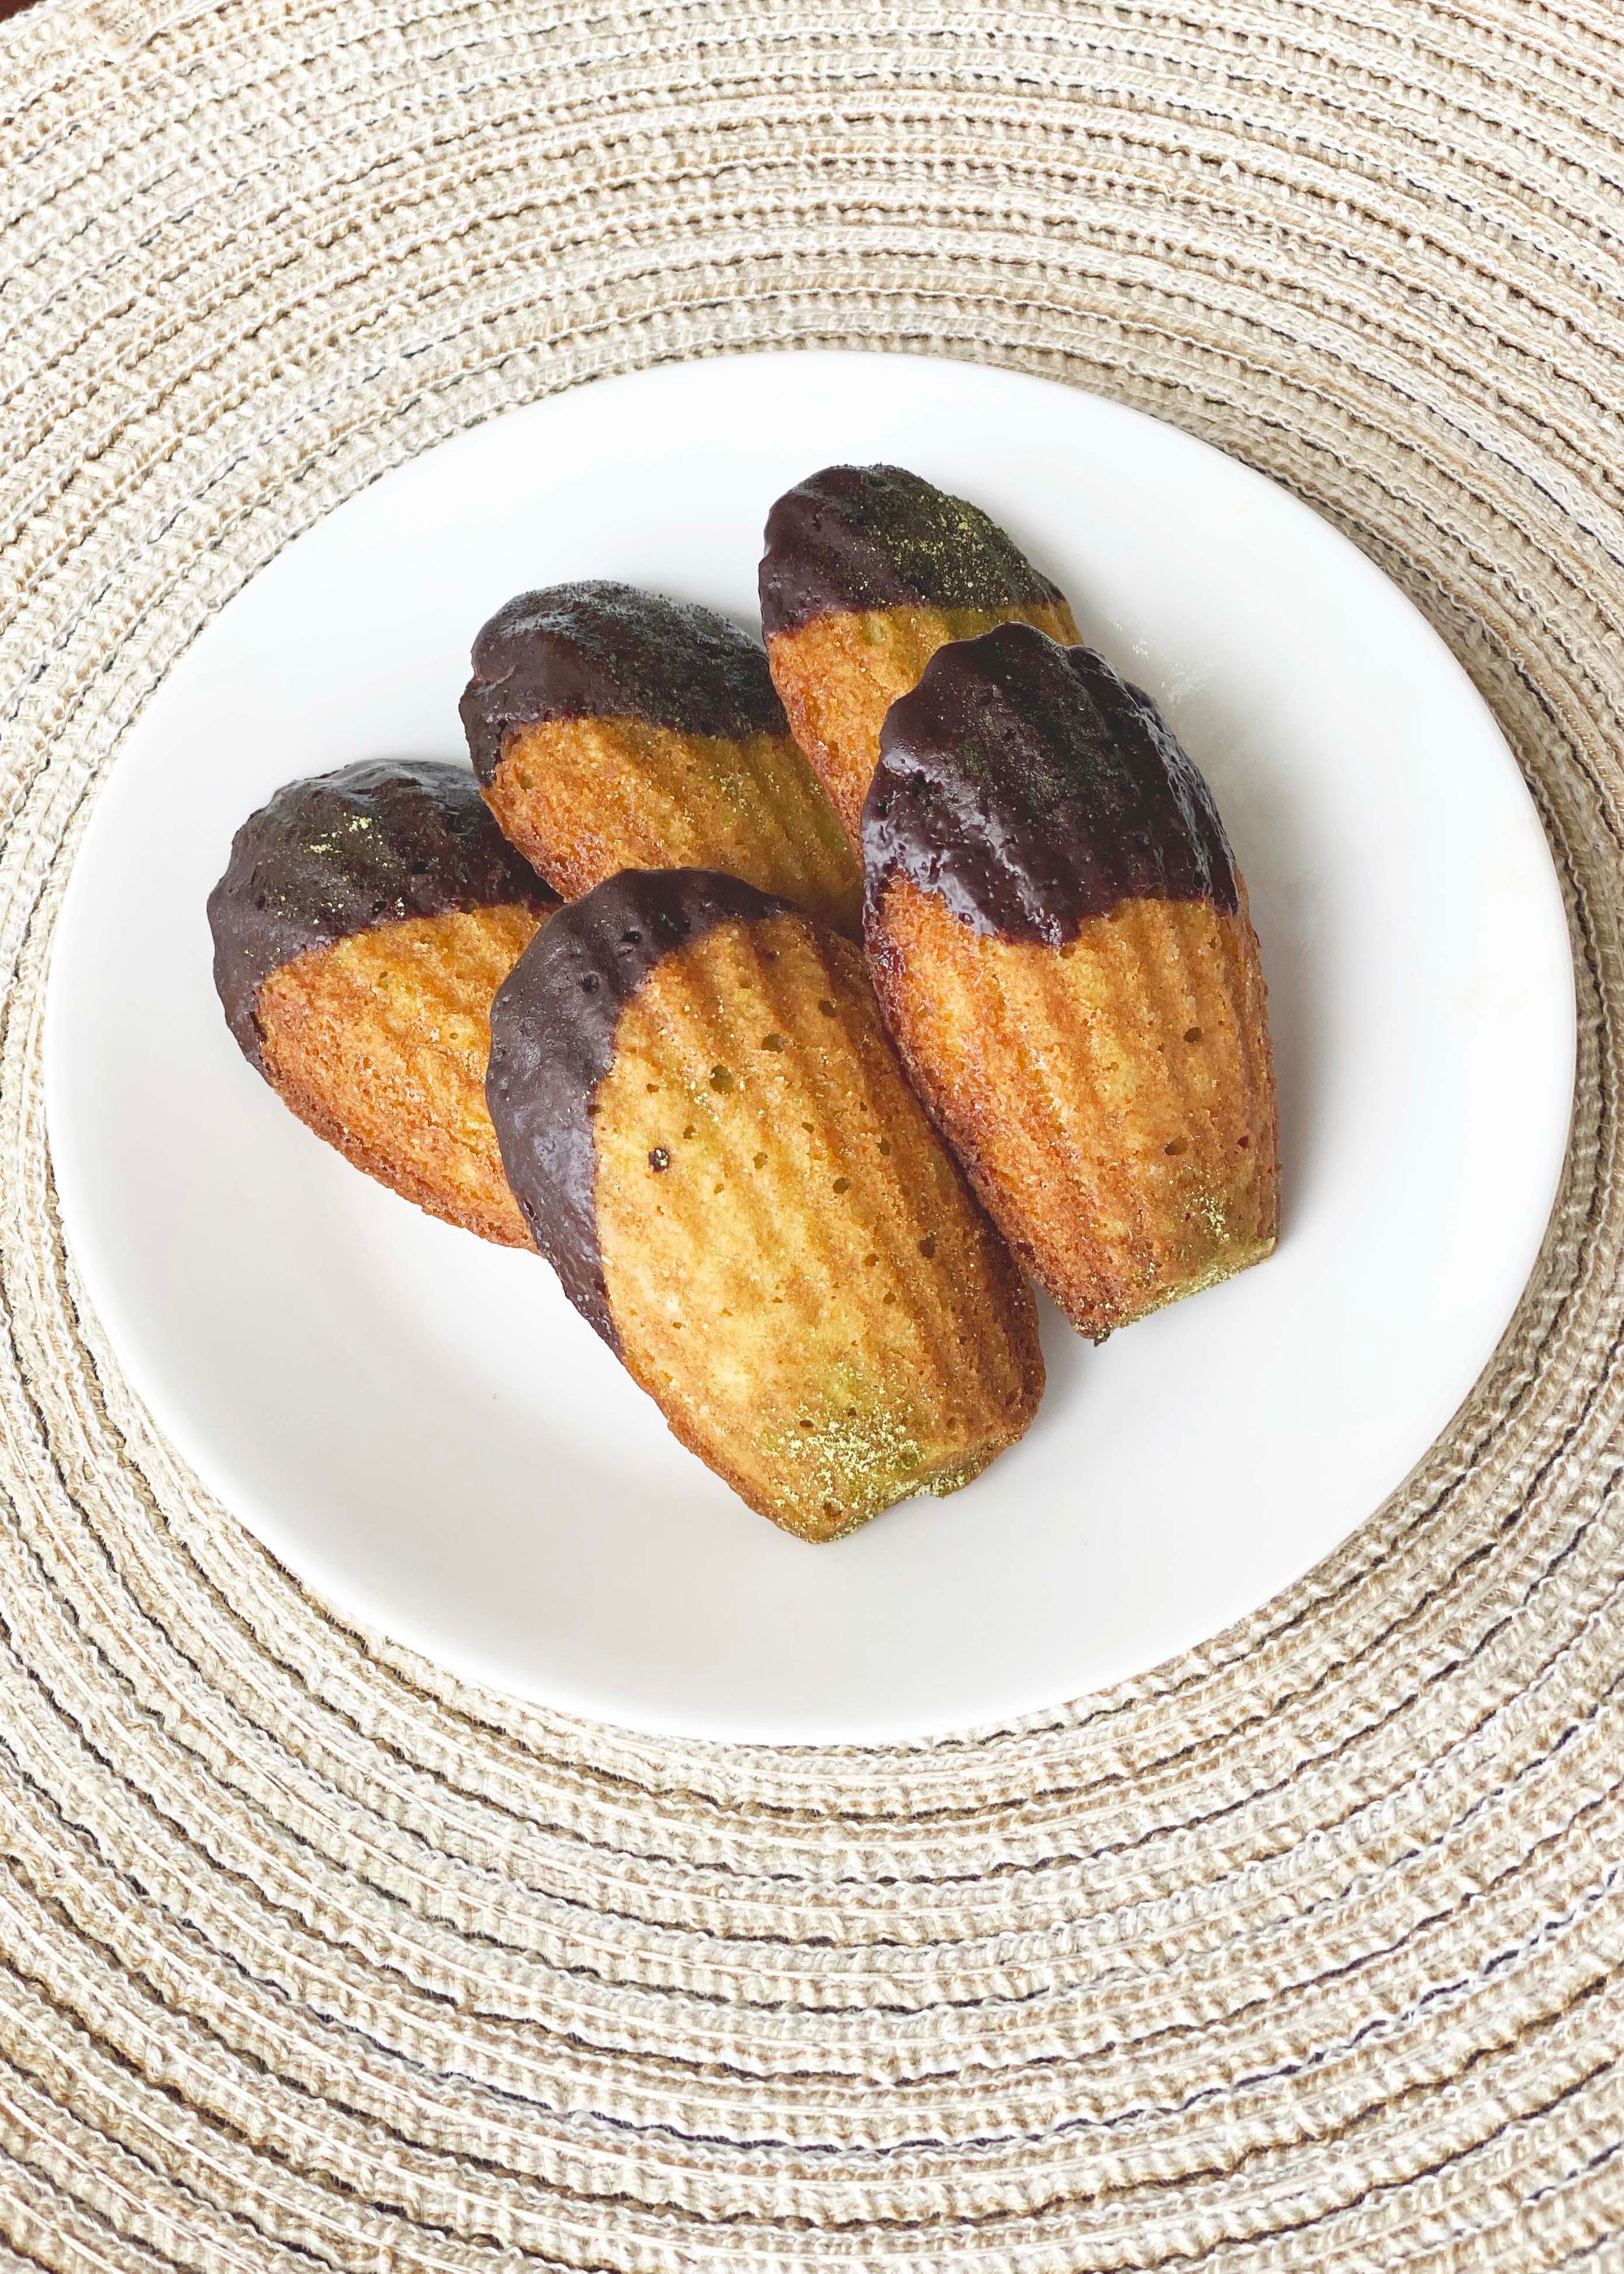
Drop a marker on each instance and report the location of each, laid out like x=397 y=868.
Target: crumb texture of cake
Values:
x=362 y=926
x=713 y=1142
x=867 y=571
x=1061 y=943
x=610 y=728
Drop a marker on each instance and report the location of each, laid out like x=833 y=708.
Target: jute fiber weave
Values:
x=1304 y=1950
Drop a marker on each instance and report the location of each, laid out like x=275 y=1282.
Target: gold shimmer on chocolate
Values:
x=612 y=728
x=867 y=571
x=855 y=538
x=361 y=929
x=1060 y=940
x=711 y=1140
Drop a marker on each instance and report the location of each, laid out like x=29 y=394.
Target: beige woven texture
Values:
x=1303 y=1951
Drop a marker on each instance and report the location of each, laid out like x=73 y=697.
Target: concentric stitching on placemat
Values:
x=1354 y=1864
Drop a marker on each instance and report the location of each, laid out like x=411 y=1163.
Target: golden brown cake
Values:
x=714 y=1143
x=364 y=923
x=612 y=729
x=1060 y=940
x=867 y=571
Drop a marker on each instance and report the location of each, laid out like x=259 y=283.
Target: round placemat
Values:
x=1304 y=1949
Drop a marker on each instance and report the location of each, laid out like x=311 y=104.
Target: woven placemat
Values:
x=1302 y=1950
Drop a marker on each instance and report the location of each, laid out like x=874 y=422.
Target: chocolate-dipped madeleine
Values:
x=714 y=1143
x=868 y=570
x=612 y=729
x=1060 y=941
x=363 y=924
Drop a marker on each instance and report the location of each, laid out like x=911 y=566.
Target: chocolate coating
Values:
x=1031 y=788
x=878 y=537
x=372 y=843
x=604 y=650
x=552 y=1029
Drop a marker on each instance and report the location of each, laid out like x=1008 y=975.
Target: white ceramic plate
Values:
x=420 y=1425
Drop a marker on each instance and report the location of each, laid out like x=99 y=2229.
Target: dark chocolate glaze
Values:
x=552 y=1030
x=372 y=843
x=601 y=650
x=878 y=537
x=1030 y=787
